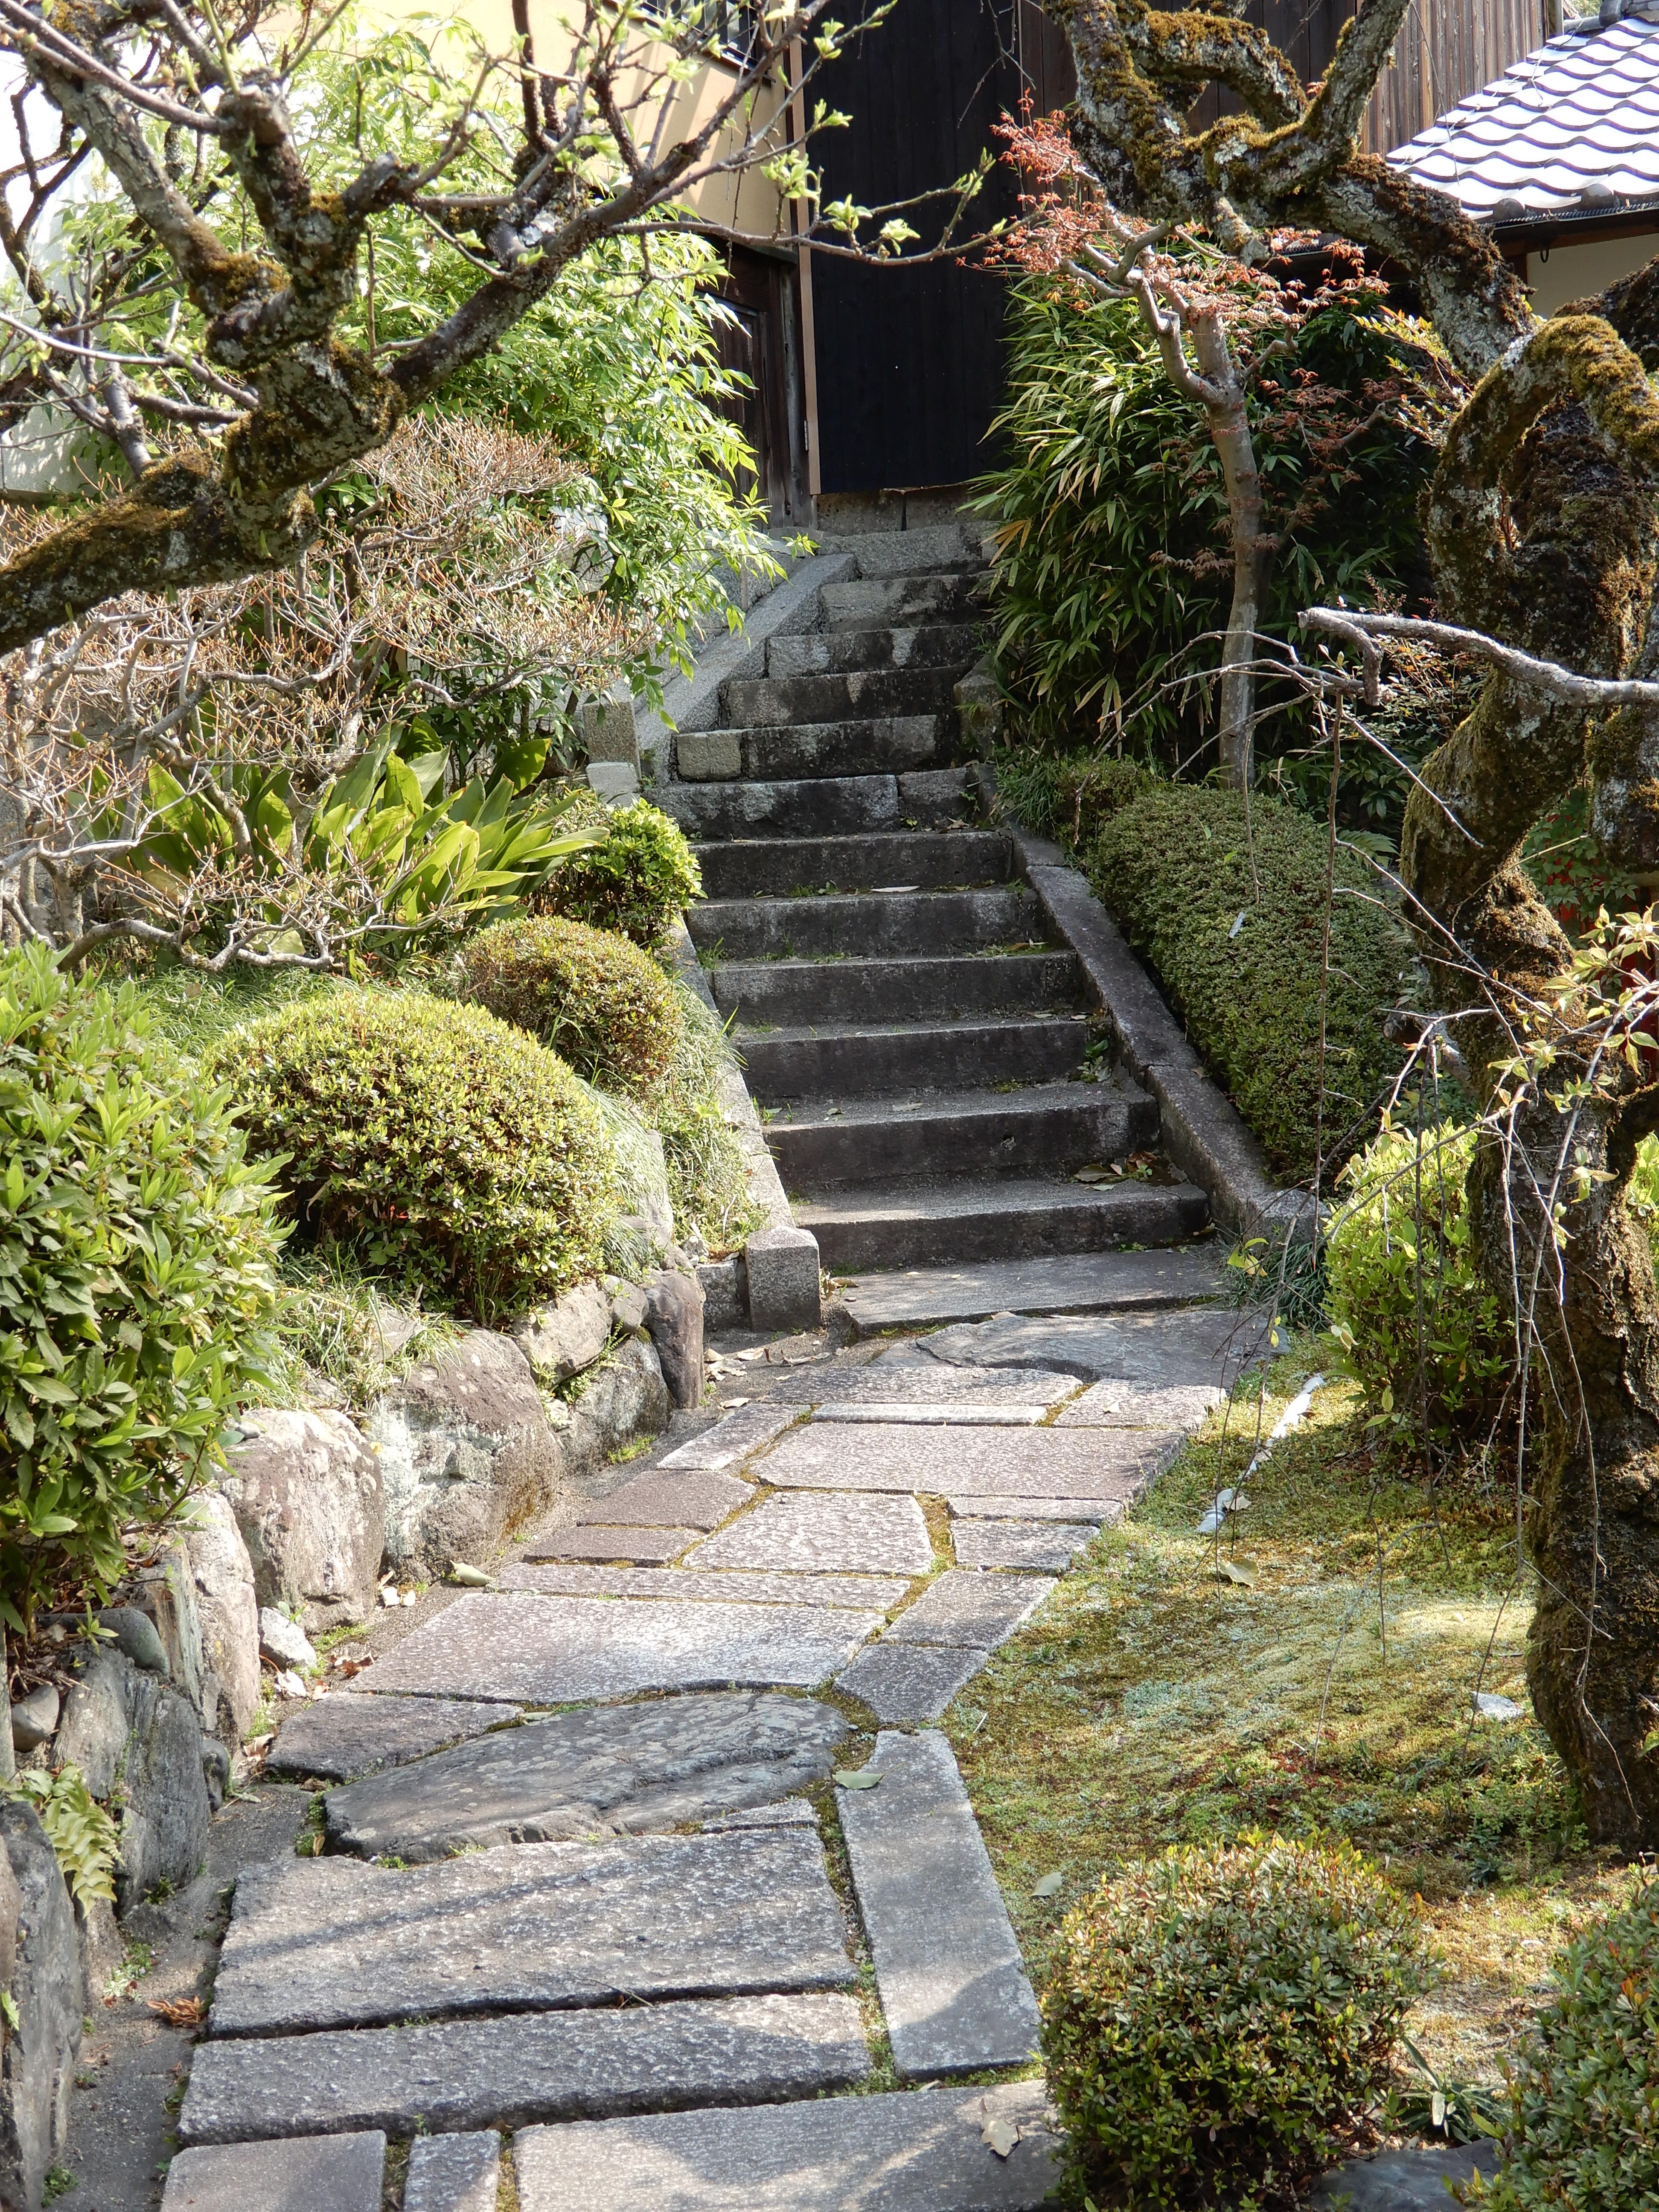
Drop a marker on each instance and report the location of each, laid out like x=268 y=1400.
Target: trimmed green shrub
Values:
x=137 y=1278
x=591 y=995
x=1583 y=2089
x=442 y=1148
x=1401 y=1259
x=637 y=881
x=1219 y=2015
x=1226 y=897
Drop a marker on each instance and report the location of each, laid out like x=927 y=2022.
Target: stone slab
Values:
x=565 y=1650
x=960 y=1415
x=953 y=1988
x=330 y=1943
x=1100 y=1511
x=902 y=1683
x=326 y=2174
x=924 y=2152
x=691 y=1497
x=858 y=1592
x=637 y=1547
x=1405 y=2180
x=1049 y=1544
x=973 y=1611
x=1204 y=1344
x=909 y=1373
x=454 y=2172
x=527 y=2068
x=622 y=1770
x=1081 y=1282
x=343 y=1735
x=1003 y=1463
x=1141 y=1405
x=829 y=1534
x=792 y=1812
x=732 y=1440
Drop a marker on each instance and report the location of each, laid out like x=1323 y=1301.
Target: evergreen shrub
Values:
x=1220 y=2017
x=1400 y=1264
x=442 y=1148
x=1584 y=2087
x=136 y=1277
x=590 y=994
x=637 y=881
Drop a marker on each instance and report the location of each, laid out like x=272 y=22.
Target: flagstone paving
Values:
x=341 y=1735
x=750 y=1586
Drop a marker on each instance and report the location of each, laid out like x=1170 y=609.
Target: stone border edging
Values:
x=1201 y=1129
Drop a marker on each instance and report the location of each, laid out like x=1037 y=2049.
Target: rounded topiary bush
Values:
x=1583 y=2128
x=436 y=1143
x=637 y=880
x=593 y=995
x=1219 y=2016
x=1420 y=1329
x=136 y=1277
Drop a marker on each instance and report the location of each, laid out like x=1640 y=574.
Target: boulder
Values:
x=674 y=1317
x=630 y=1303
x=166 y=1596
x=282 y=1641
x=560 y=1339
x=227 y=1614
x=40 y=1970
x=136 y=1635
x=466 y=1452
x=308 y=1498
x=34 y=1718
x=124 y=1726
x=626 y=1399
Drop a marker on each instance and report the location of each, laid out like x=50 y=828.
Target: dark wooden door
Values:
x=760 y=338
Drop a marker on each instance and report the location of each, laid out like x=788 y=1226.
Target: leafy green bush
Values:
x=1227 y=899
x=1401 y=1258
x=591 y=995
x=1583 y=2089
x=438 y=1145
x=136 y=1277
x=1219 y=2015
x=635 y=882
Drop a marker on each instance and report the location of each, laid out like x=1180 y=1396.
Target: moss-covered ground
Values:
x=1312 y=1668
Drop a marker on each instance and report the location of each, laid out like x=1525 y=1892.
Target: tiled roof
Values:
x=1573 y=127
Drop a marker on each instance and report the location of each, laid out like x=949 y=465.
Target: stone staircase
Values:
x=916 y=1039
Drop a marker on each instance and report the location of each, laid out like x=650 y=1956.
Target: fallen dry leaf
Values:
x=179 y=2012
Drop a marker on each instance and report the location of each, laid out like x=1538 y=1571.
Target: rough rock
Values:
x=622 y=1769
x=316 y=2173
x=454 y=2172
x=923 y=2152
x=825 y=1533
x=282 y=1641
x=342 y=1735
x=560 y=1339
x=120 y=1721
x=41 y=1966
x=907 y=1682
x=622 y=1400
x=1405 y=2180
x=330 y=1943
x=166 y=1595
x=307 y=1493
x=628 y=1307
x=674 y=1317
x=466 y=1452
x=34 y=1717
x=228 y=1616
x=530 y=2067
x=953 y=1989
x=135 y=1634
x=725 y=1295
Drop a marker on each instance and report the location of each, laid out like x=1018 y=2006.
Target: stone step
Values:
x=1109 y=1313
x=864 y=1061
x=952 y=1986
x=909 y=552
x=869 y=925
x=937 y=645
x=753 y=703
x=926 y=2151
x=1048 y=1126
x=891 y=744
x=790 y=993
x=331 y=1943
x=901 y=602
x=527 y=2068
x=773 y=867
x=323 y=2173
x=819 y=807
x=933 y=1225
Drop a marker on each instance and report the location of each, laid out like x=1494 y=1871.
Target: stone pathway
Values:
x=631 y=1872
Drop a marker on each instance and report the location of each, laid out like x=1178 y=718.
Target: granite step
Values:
x=854 y=1062
x=922 y=1224
x=893 y=744
x=1090 y=1315
x=753 y=703
x=875 y=925
x=1038 y=1129
x=955 y=646
x=901 y=602
x=775 y=868
x=941 y=546
x=819 y=806
x=787 y=993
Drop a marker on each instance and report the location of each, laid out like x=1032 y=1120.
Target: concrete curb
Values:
x=1202 y=1131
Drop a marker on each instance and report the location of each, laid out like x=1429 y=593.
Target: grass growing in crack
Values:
x=1153 y=1701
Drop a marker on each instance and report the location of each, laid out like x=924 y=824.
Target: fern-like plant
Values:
x=83 y=1835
